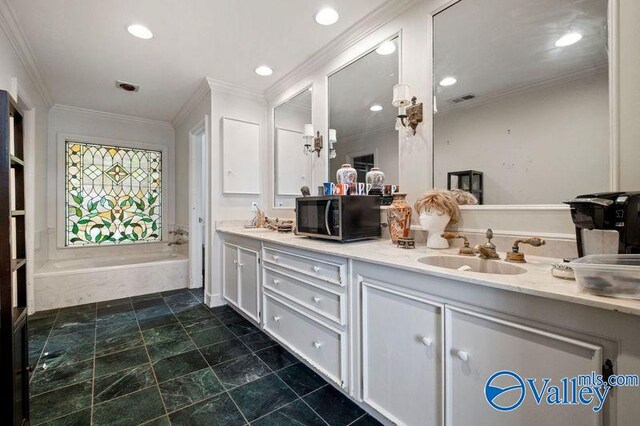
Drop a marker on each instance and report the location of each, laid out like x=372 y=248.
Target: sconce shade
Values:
x=401 y=96
x=308 y=131
x=332 y=136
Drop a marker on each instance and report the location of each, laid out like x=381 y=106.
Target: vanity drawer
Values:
x=323 y=302
x=322 y=346
x=326 y=270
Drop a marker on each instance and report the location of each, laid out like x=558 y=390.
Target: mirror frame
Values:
x=613 y=18
x=396 y=35
x=274 y=147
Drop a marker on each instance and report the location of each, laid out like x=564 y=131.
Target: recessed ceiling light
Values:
x=376 y=108
x=386 y=48
x=448 y=81
x=264 y=70
x=327 y=16
x=568 y=39
x=140 y=31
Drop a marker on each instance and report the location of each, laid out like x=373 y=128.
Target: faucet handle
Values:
x=516 y=256
x=464 y=251
x=489 y=235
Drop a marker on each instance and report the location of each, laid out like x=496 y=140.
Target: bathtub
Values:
x=61 y=283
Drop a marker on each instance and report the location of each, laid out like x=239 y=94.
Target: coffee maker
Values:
x=607 y=222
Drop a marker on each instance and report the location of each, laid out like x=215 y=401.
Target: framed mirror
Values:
x=361 y=118
x=521 y=100
x=292 y=168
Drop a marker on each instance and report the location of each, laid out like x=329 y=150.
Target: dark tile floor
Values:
x=166 y=358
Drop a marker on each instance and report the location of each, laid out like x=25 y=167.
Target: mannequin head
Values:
x=437 y=209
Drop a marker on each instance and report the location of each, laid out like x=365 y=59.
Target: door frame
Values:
x=198 y=160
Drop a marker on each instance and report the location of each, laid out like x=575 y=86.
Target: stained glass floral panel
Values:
x=113 y=194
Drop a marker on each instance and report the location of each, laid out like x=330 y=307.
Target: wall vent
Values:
x=462 y=98
x=127 y=87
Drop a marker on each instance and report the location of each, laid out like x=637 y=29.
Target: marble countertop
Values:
x=537 y=281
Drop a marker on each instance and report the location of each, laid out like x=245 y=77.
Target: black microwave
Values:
x=339 y=217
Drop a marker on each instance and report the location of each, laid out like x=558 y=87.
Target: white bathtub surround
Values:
x=61 y=283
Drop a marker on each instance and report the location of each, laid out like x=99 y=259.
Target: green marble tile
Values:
x=123 y=383
x=224 y=351
x=277 y=357
x=111 y=303
x=174 y=292
x=296 y=413
x=45 y=380
x=146 y=297
x=60 y=402
x=301 y=379
x=152 y=322
x=50 y=313
x=114 y=311
x=262 y=396
x=186 y=390
x=241 y=370
x=167 y=333
x=73 y=327
x=217 y=410
x=179 y=365
x=67 y=349
x=257 y=341
x=132 y=409
x=120 y=361
x=194 y=314
x=153 y=311
x=79 y=418
x=242 y=328
x=333 y=406
x=229 y=317
x=160 y=421
x=161 y=350
x=366 y=420
x=201 y=325
x=211 y=335
x=118 y=343
x=219 y=310
x=184 y=305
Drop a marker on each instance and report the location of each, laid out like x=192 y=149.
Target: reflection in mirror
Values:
x=292 y=166
x=521 y=96
x=361 y=116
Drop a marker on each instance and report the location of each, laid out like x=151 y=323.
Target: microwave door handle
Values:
x=326 y=217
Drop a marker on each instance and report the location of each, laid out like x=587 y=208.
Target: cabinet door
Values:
x=402 y=356
x=249 y=282
x=230 y=273
x=480 y=346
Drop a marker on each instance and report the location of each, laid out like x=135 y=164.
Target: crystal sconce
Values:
x=409 y=110
x=312 y=143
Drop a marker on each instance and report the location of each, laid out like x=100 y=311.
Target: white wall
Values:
x=76 y=121
x=539 y=147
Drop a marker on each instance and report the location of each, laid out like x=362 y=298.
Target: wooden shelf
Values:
x=15 y=213
x=17 y=264
x=16 y=162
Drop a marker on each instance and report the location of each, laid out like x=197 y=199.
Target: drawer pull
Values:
x=316 y=300
x=276 y=281
x=427 y=341
x=241 y=265
x=463 y=356
x=276 y=318
x=276 y=258
x=316 y=269
x=317 y=345
x=235 y=262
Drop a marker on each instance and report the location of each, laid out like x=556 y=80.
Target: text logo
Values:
x=505 y=391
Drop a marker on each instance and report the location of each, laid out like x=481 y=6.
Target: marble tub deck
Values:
x=165 y=358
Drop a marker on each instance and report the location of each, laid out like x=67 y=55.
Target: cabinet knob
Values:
x=427 y=341
x=317 y=345
x=316 y=299
x=235 y=262
x=276 y=318
x=276 y=281
x=275 y=258
x=241 y=265
x=316 y=269
x=463 y=356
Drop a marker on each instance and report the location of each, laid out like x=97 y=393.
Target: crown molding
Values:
x=19 y=42
x=203 y=90
x=348 y=38
x=110 y=115
x=232 y=89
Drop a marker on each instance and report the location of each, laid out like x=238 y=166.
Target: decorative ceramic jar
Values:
x=347 y=175
x=399 y=217
x=375 y=178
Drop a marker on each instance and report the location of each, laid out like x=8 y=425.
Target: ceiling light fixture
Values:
x=376 y=108
x=264 y=71
x=448 y=81
x=568 y=39
x=327 y=16
x=140 y=31
x=386 y=48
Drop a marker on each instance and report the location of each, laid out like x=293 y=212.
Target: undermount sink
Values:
x=473 y=264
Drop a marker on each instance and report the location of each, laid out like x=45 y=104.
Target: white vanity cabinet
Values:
x=241 y=278
x=402 y=358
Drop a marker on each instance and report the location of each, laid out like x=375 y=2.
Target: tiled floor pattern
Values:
x=166 y=358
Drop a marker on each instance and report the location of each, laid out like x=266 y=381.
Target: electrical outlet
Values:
x=254 y=206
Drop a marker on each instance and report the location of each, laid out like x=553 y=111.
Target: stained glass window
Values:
x=113 y=194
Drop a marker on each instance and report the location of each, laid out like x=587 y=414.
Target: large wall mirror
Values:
x=292 y=168
x=361 y=117
x=522 y=96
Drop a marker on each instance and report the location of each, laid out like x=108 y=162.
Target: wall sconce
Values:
x=308 y=137
x=332 y=140
x=409 y=111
